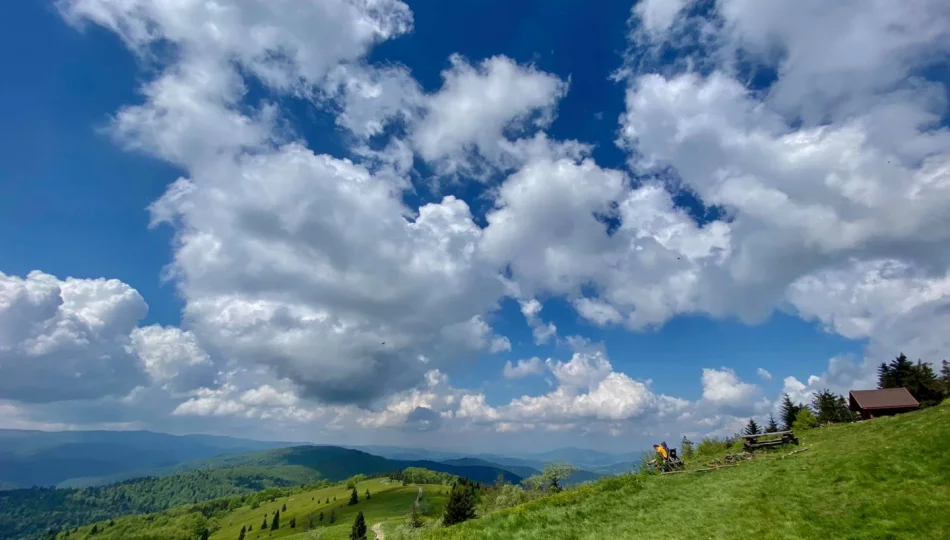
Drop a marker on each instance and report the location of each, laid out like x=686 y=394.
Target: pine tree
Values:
x=358 y=532
x=328 y=500
x=264 y=525
x=686 y=448
x=321 y=516
x=843 y=412
x=461 y=505
x=250 y=528
x=95 y=530
x=752 y=428
x=897 y=374
x=825 y=404
x=414 y=521
x=293 y=522
x=772 y=426
x=789 y=411
x=243 y=532
x=924 y=385
x=354 y=498
x=945 y=378
x=205 y=534
x=274 y=525
x=283 y=508
x=367 y=495
x=332 y=516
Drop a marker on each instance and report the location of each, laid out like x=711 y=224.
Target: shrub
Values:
x=805 y=420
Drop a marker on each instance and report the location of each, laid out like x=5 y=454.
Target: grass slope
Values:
x=389 y=502
x=886 y=478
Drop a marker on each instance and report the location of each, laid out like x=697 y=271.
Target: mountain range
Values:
x=89 y=458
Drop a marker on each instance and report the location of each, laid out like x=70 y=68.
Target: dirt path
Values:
x=378 y=528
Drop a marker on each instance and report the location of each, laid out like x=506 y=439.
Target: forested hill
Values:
x=25 y=512
x=336 y=463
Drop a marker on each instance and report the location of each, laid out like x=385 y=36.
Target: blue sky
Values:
x=767 y=197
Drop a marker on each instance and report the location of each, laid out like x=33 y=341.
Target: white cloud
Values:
x=67 y=339
x=172 y=355
x=524 y=368
x=724 y=391
x=283 y=43
x=658 y=15
x=477 y=104
x=764 y=374
x=541 y=331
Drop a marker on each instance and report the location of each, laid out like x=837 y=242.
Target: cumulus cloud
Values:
x=477 y=104
x=67 y=339
x=172 y=355
x=724 y=391
x=764 y=374
x=524 y=368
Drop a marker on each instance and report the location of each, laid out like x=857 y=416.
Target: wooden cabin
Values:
x=885 y=402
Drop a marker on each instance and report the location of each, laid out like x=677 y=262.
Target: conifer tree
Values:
x=243 y=532
x=461 y=505
x=789 y=412
x=358 y=532
x=414 y=521
x=354 y=498
x=283 y=508
x=752 y=428
x=264 y=525
x=274 y=525
x=321 y=517
x=772 y=426
x=367 y=495
x=332 y=516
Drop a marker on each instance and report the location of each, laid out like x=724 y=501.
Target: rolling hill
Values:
x=337 y=463
x=80 y=458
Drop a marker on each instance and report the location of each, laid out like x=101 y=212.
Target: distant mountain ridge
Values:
x=49 y=458
x=338 y=463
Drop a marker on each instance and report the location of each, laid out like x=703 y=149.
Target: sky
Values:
x=480 y=225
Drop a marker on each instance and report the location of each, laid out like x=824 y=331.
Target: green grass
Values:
x=389 y=502
x=882 y=479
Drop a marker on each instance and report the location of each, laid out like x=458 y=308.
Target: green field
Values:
x=887 y=478
x=390 y=501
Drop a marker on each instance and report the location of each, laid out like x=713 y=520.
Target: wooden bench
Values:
x=752 y=442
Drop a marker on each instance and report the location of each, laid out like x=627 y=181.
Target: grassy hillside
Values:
x=886 y=478
x=389 y=502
